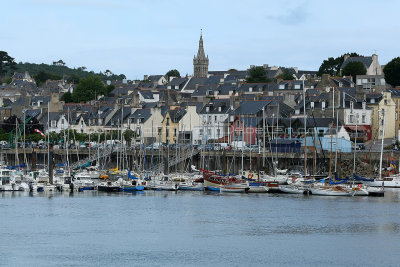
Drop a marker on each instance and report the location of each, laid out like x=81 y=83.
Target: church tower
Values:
x=200 y=63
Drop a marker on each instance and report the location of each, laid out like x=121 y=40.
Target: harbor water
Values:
x=161 y=228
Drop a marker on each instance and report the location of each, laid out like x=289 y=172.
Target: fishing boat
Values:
x=135 y=184
x=215 y=182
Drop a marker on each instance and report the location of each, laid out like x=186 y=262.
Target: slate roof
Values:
x=116 y=118
x=140 y=114
x=367 y=61
x=191 y=85
x=176 y=114
x=155 y=78
x=215 y=105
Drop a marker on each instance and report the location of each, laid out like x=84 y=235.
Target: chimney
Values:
x=374 y=58
x=145 y=77
x=345 y=57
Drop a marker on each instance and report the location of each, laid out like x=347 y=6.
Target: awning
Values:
x=360 y=128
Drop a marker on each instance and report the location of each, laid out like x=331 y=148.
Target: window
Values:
x=209 y=132
x=351 y=119
x=209 y=118
x=167 y=121
x=237 y=124
x=175 y=132
x=167 y=133
x=323 y=105
x=364 y=105
x=218 y=132
x=381 y=122
x=62 y=121
x=219 y=109
x=159 y=130
x=312 y=105
x=215 y=118
x=359 y=82
x=396 y=116
x=364 y=119
x=207 y=109
x=372 y=101
x=351 y=106
x=250 y=89
x=281 y=86
x=297 y=86
x=201 y=132
x=385 y=101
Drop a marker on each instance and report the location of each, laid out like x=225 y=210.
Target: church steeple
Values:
x=200 y=63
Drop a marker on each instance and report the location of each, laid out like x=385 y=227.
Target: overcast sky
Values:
x=153 y=36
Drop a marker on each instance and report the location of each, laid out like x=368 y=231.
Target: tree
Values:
x=332 y=65
x=74 y=78
x=392 y=72
x=108 y=73
x=286 y=75
x=6 y=62
x=353 y=69
x=173 y=73
x=42 y=77
x=67 y=97
x=59 y=63
x=257 y=75
x=9 y=124
x=109 y=89
x=88 y=88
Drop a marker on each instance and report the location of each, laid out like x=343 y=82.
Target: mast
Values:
x=48 y=134
x=16 y=142
x=263 y=114
x=330 y=156
x=305 y=131
x=25 y=160
x=383 y=137
x=355 y=148
x=337 y=130
x=152 y=148
x=69 y=171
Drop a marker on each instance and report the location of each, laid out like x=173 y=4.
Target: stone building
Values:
x=200 y=62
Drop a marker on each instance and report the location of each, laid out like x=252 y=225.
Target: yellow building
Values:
x=396 y=98
x=170 y=125
x=379 y=102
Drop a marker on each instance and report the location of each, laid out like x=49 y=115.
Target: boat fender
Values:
x=250 y=176
x=359 y=186
x=293 y=179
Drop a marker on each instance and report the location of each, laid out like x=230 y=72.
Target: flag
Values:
x=38 y=131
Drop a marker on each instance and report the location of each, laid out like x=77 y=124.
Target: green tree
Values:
x=74 y=78
x=6 y=62
x=88 y=88
x=392 y=72
x=42 y=77
x=286 y=75
x=67 y=97
x=257 y=75
x=173 y=73
x=354 y=68
x=332 y=65
x=109 y=89
x=128 y=135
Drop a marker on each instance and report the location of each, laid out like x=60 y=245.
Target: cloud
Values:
x=292 y=16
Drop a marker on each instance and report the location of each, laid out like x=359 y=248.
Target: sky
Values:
x=153 y=36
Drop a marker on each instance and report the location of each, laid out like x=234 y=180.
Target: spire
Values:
x=200 y=53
